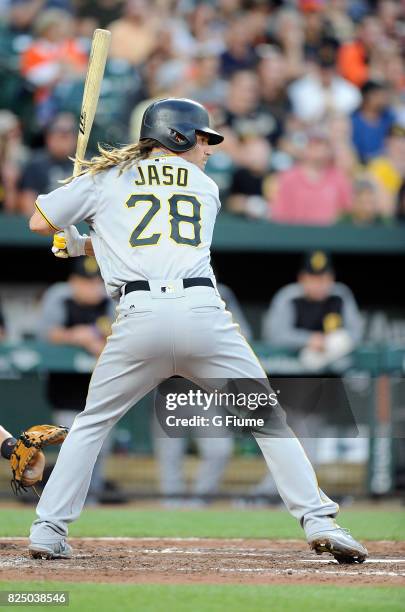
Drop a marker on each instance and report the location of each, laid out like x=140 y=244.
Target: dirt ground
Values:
x=193 y=560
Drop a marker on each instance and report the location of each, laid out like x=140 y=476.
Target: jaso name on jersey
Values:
x=162 y=175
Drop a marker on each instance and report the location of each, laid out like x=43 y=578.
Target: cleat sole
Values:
x=346 y=556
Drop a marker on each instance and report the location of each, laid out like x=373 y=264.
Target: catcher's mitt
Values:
x=27 y=459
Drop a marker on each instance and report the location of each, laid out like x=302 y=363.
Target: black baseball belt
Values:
x=143 y=285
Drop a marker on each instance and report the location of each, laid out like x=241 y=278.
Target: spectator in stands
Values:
x=323 y=91
x=388 y=169
x=244 y=117
x=239 y=53
x=314 y=191
x=43 y=173
x=13 y=155
x=286 y=30
x=366 y=209
x=340 y=24
x=340 y=128
x=251 y=184
x=291 y=144
x=394 y=73
x=136 y=34
x=273 y=78
x=202 y=23
x=103 y=12
x=315 y=315
x=382 y=69
x=54 y=56
x=315 y=26
x=204 y=83
x=372 y=121
x=257 y=15
x=76 y=313
x=226 y=9
x=21 y=15
x=355 y=57
x=389 y=14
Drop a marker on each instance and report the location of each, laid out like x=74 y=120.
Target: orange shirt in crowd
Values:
x=40 y=63
x=352 y=62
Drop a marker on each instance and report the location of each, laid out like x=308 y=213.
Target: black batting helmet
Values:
x=173 y=122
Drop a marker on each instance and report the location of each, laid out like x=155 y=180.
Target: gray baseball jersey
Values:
x=144 y=221
x=156 y=223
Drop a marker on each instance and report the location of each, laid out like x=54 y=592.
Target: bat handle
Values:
x=62 y=254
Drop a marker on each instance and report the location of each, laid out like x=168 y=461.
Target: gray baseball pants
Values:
x=66 y=418
x=185 y=332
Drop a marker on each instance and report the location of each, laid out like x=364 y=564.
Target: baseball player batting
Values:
x=151 y=211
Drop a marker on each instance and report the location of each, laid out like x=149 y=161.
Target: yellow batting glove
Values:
x=69 y=243
x=59 y=247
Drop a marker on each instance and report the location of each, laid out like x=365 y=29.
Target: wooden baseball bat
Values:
x=91 y=93
x=92 y=86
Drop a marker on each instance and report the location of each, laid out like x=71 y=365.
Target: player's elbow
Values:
x=39 y=225
x=33 y=224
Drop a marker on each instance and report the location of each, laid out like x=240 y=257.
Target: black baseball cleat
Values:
x=339 y=543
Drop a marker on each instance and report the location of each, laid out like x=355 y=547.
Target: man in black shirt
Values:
x=44 y=171
x=252 y=183
x=315 y=315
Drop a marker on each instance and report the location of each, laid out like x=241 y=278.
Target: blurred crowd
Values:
x=310 y=95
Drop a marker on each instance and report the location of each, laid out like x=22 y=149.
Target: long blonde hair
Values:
x=122 y=157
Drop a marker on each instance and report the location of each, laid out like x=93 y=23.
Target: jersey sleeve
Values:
x=70 y=204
